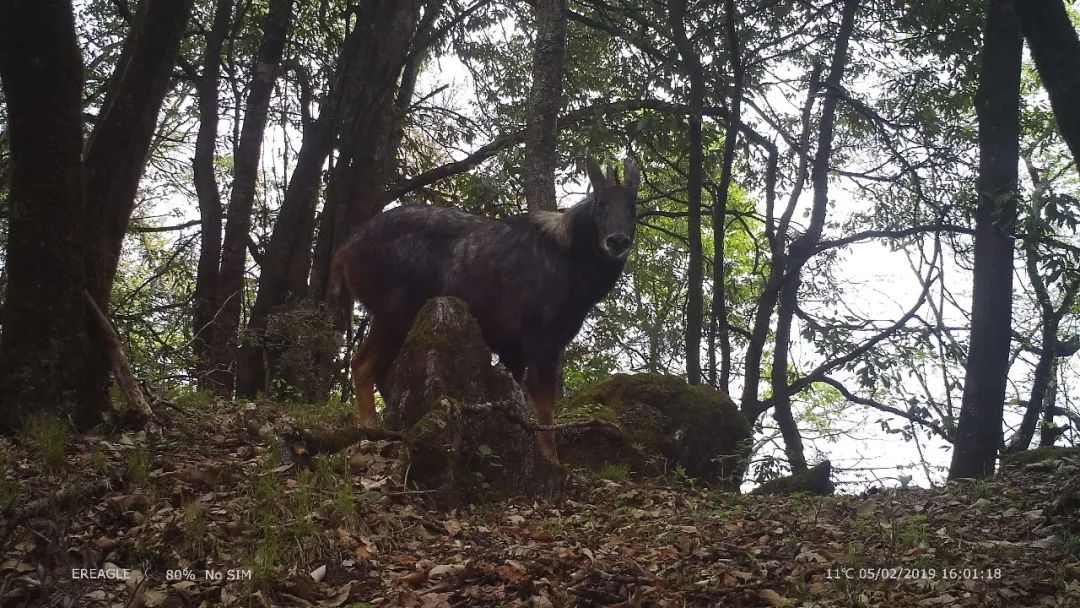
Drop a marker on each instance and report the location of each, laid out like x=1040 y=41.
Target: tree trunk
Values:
x=803 y=246
x=45 y=355
x=776 y=233
x=119 y=145
x=368 y=137
x=978 y=434
x=1039 y=404
x=290 y=237
x=785 y=420
x=1049 y=433
x=545 y=101
x=719 y=313
x=362 y=170
x=695 y=272
x=1055 y=48
x=120 y=142
x=230 y=285
x=206 y=187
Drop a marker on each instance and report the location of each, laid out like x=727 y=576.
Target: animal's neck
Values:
x=596 y=271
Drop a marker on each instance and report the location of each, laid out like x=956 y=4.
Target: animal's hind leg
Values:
x=373 y=359
x=363 y=381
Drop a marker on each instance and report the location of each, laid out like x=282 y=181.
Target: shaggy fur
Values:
x=530 y=280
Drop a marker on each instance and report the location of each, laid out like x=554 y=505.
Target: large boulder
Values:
x=463 y=415
x=660 y=423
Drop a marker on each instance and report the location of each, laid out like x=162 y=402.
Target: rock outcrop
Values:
x=464 y=417
x=660 y=424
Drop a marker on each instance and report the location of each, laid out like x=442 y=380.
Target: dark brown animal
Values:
x=530 y=280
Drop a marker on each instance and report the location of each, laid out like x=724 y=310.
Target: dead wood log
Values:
x=121 y=368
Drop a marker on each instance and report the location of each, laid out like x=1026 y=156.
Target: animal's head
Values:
x=614 y=206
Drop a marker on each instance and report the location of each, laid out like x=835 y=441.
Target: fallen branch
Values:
x=13 y=516
x=121 y=368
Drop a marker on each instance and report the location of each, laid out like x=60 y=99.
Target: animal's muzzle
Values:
x=617 y=245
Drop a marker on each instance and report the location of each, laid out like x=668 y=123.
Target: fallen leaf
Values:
x=774 y=598
x=445 y=570
x=413 y=578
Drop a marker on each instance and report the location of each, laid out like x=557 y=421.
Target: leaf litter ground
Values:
x=200 y=512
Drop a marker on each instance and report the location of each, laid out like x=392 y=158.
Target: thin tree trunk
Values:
x=119 y=145
x=1050 y=432
x=288 y=235
x=364 y=164
x=785 y=419
x=206 y=186
x=46 y=344
x=1039 y=403
x=545 y=101
x=1055 y=48
x=120 y=142
x=695 y=271
x=230 y=286
x=978 y=434
x=803 y=246
x=750 y=403
x=719 y=311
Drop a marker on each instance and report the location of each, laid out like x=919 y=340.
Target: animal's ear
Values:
x=632 y=175
x=596 y=173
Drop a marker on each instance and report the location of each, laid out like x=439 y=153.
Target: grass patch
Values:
x=615 y=471
x=137 y=467
x=267 y=554
x=10 y=493
x=284 y=511
x=343 y=511
x=1070 y=545
x=311 y=415
x=190 y=398
x=49 y=437
x=197 y=541
x=99 y=460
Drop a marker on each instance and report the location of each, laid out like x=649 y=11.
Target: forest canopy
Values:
x=857 y=217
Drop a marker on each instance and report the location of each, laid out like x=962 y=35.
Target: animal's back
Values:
x=400 y=256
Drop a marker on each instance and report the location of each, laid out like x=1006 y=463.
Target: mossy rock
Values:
x=461 y=414
x=665 y=424
x=478 y=455
x=443 y=355
x=1039 y=455
x=815 y=480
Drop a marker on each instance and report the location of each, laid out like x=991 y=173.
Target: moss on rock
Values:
x=665 y=424
x=1039 y=455
x=458 y=411
x=815 y=480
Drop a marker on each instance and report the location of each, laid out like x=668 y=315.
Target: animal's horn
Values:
x=595 y=172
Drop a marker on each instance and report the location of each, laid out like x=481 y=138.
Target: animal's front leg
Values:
x=540 y=384
x=543 y=406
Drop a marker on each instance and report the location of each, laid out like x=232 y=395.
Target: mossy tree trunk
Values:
x=45 y=346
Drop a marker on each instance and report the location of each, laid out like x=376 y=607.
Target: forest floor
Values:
x=201 y=513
